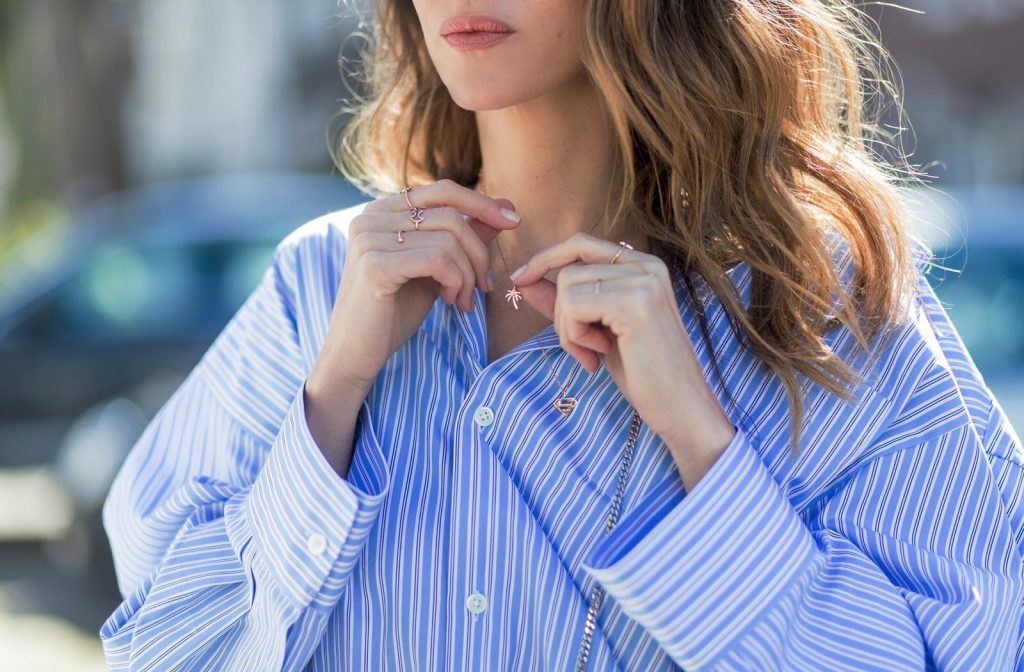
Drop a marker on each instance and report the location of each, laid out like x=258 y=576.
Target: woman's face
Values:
x=540 y=55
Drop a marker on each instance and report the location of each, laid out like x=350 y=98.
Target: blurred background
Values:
x=153 y=153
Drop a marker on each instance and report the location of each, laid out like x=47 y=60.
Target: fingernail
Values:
x=519 y=271
x=510 y=215
x=490 y=281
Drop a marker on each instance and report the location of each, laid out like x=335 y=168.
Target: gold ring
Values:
x=405 y=192
x=416 y=216
x=622 y=245
x=415 y=213
x=399 y=238
x=597 y=286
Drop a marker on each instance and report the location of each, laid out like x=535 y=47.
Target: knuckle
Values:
x=650 y=295
x=357 y=225
x=448 y=238
x=371 y=261
x=436 y=257
x=448 y=213
x=357 y=243
x=563 y=340
x=659 y=269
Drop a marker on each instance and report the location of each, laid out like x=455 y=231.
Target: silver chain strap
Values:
x=597 y=593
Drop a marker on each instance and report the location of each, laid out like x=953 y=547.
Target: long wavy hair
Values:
x=756 y=110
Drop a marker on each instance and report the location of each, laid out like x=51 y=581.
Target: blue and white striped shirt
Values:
x=470 y=528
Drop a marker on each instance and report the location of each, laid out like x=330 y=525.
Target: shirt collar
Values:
x=472 y=326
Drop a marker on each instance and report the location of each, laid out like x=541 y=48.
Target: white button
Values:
x=316 y=543
x=476 y=603
x=484 y=416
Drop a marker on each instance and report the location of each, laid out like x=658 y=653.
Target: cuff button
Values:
x=316 y=543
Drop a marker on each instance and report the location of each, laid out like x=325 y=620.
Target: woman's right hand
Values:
x=387 y=288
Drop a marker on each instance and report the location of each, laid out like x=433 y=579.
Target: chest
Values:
x=507 y=327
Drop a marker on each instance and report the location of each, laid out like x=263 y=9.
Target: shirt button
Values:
x=316 y=543
x=483 y=416
x=476 y=603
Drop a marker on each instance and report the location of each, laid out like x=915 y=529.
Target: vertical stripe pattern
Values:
x=469 y=530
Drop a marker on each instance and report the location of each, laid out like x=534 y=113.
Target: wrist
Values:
x=335 y=383
x=706 y=431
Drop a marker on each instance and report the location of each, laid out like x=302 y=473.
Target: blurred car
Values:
x=92 y=348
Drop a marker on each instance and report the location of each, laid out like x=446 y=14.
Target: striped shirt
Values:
x=471 y=525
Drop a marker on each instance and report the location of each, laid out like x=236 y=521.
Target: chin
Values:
x=485 y=98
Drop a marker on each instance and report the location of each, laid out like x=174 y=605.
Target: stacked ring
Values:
x=415 y=214
x=622 y=245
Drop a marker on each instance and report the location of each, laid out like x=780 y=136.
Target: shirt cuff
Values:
x=696 y=569
x=303 y=516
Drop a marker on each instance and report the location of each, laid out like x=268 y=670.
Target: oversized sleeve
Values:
x=232 y=535
x=910 y=561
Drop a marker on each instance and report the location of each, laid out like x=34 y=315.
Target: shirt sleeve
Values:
x=231 y=533
x=911 y=562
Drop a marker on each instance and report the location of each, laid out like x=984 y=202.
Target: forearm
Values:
x=332 y=406
x=275 y=551
x=730 y=573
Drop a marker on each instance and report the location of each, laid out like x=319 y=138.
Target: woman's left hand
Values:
x=634 y=326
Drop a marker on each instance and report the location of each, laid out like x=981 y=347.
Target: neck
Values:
x=552 y=157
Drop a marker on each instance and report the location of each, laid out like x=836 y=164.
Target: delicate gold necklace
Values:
x=563 y=403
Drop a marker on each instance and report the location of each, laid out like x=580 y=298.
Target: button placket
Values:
x=469 y=462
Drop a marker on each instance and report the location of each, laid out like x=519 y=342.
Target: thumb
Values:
x=541 y=296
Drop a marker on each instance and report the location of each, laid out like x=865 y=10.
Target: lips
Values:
x=474 y=24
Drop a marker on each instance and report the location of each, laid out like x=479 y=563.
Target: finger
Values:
x=586 y=357
x=578 y=247
x=591 y=338
x=588 y=274
x=541 y=296
x=424 y=242
x=391 y=269
x=578 y=273
x=591 y=335
x=450 y=244
x=483 y=208
x=597 y=315
x=617 y=305
x=483 y=231
x=443 y=218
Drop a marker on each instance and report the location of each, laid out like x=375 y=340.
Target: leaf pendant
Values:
x=565 y=405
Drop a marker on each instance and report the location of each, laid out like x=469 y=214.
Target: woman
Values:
x=717 y=420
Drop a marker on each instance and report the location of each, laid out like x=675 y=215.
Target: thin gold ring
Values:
x=622 y=245
x=415 y=213
x=399 y=238
x=405 y=192
x=597 y=286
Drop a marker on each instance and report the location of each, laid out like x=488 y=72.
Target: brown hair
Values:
x=758 y=109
